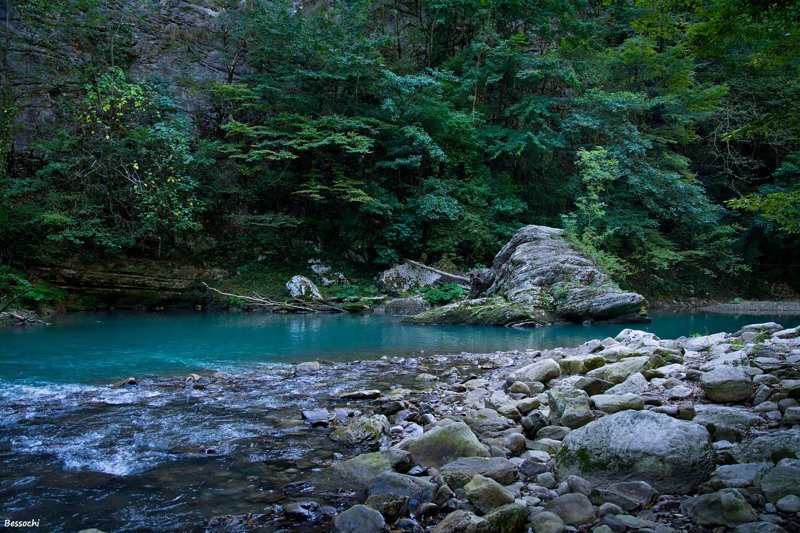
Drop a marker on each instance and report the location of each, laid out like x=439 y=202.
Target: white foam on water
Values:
x=119 y=463
x=127 y=395
x=32 y=393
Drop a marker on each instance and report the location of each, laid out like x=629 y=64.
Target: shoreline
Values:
x=786 y=307
x=516 y=414
x=777 y=308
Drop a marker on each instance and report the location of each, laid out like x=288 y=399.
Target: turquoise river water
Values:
x=166 y=455
x=100 y=348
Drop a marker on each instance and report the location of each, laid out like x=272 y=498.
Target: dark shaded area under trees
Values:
x=665 y=135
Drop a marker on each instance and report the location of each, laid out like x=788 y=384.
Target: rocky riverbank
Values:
x=630 y=433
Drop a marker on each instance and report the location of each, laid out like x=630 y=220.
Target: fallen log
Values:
x=266 y=302
x=449 y=275
x=23 y=318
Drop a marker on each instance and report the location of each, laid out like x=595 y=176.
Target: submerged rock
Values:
x=317 y=417
x=671 y=455
x=536 y=279
x=361 y=395
x=306 y=368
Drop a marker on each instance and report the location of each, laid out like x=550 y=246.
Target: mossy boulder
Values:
x=509 y=518
x=539 y=278
x=727 y=384
x=370 y=433
x=362 y=469
x=459 y=472
x=569 y=407
x=487 y=494
x=724 y=508
x=481 y=312
x=540 y=371
x=416 y=489
x=444 y=444
x=620 y=371
x=672 y=455
x=783 y=480
x=462 y=522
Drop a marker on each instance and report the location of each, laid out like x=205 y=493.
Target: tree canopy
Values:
x=664 y=135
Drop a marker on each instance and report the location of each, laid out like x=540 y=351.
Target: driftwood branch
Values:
x=24 y=318
x=266 y=302
x=440 y=272
x=258 y=300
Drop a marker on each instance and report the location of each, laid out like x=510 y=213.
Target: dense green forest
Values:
x=663 y=134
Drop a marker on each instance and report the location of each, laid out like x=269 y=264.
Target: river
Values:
x=76 y=452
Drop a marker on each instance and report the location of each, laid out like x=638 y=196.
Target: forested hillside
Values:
x=663 y=134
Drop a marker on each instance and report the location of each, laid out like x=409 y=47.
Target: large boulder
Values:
x=672 y=455
x=772 y=446
x=360 y=519
x=494 y=311
x=724 y=508
x=727 y=384
x=783 y=480
x=569 y=407
x=613 y=403
x=444 y=444
x=547 y=522
x=416 y=489
x=405 y=277
x=575 y=509
x=619 y=372
x=487 y=494
x=462 y=522
x=509 y=518
x=369 y=433
x=302 y=288
x=459 y=472
x=362 y=469
x=541 y=371
x=539 y=278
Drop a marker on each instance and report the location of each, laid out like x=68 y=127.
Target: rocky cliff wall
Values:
x=50 y=52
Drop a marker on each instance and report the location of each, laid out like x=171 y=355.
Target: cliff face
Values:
x=536 y=279
x=48 y=53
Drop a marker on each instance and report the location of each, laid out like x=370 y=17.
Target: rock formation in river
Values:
x=539 y=278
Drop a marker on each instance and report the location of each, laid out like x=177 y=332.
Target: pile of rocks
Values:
x=629 y=433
